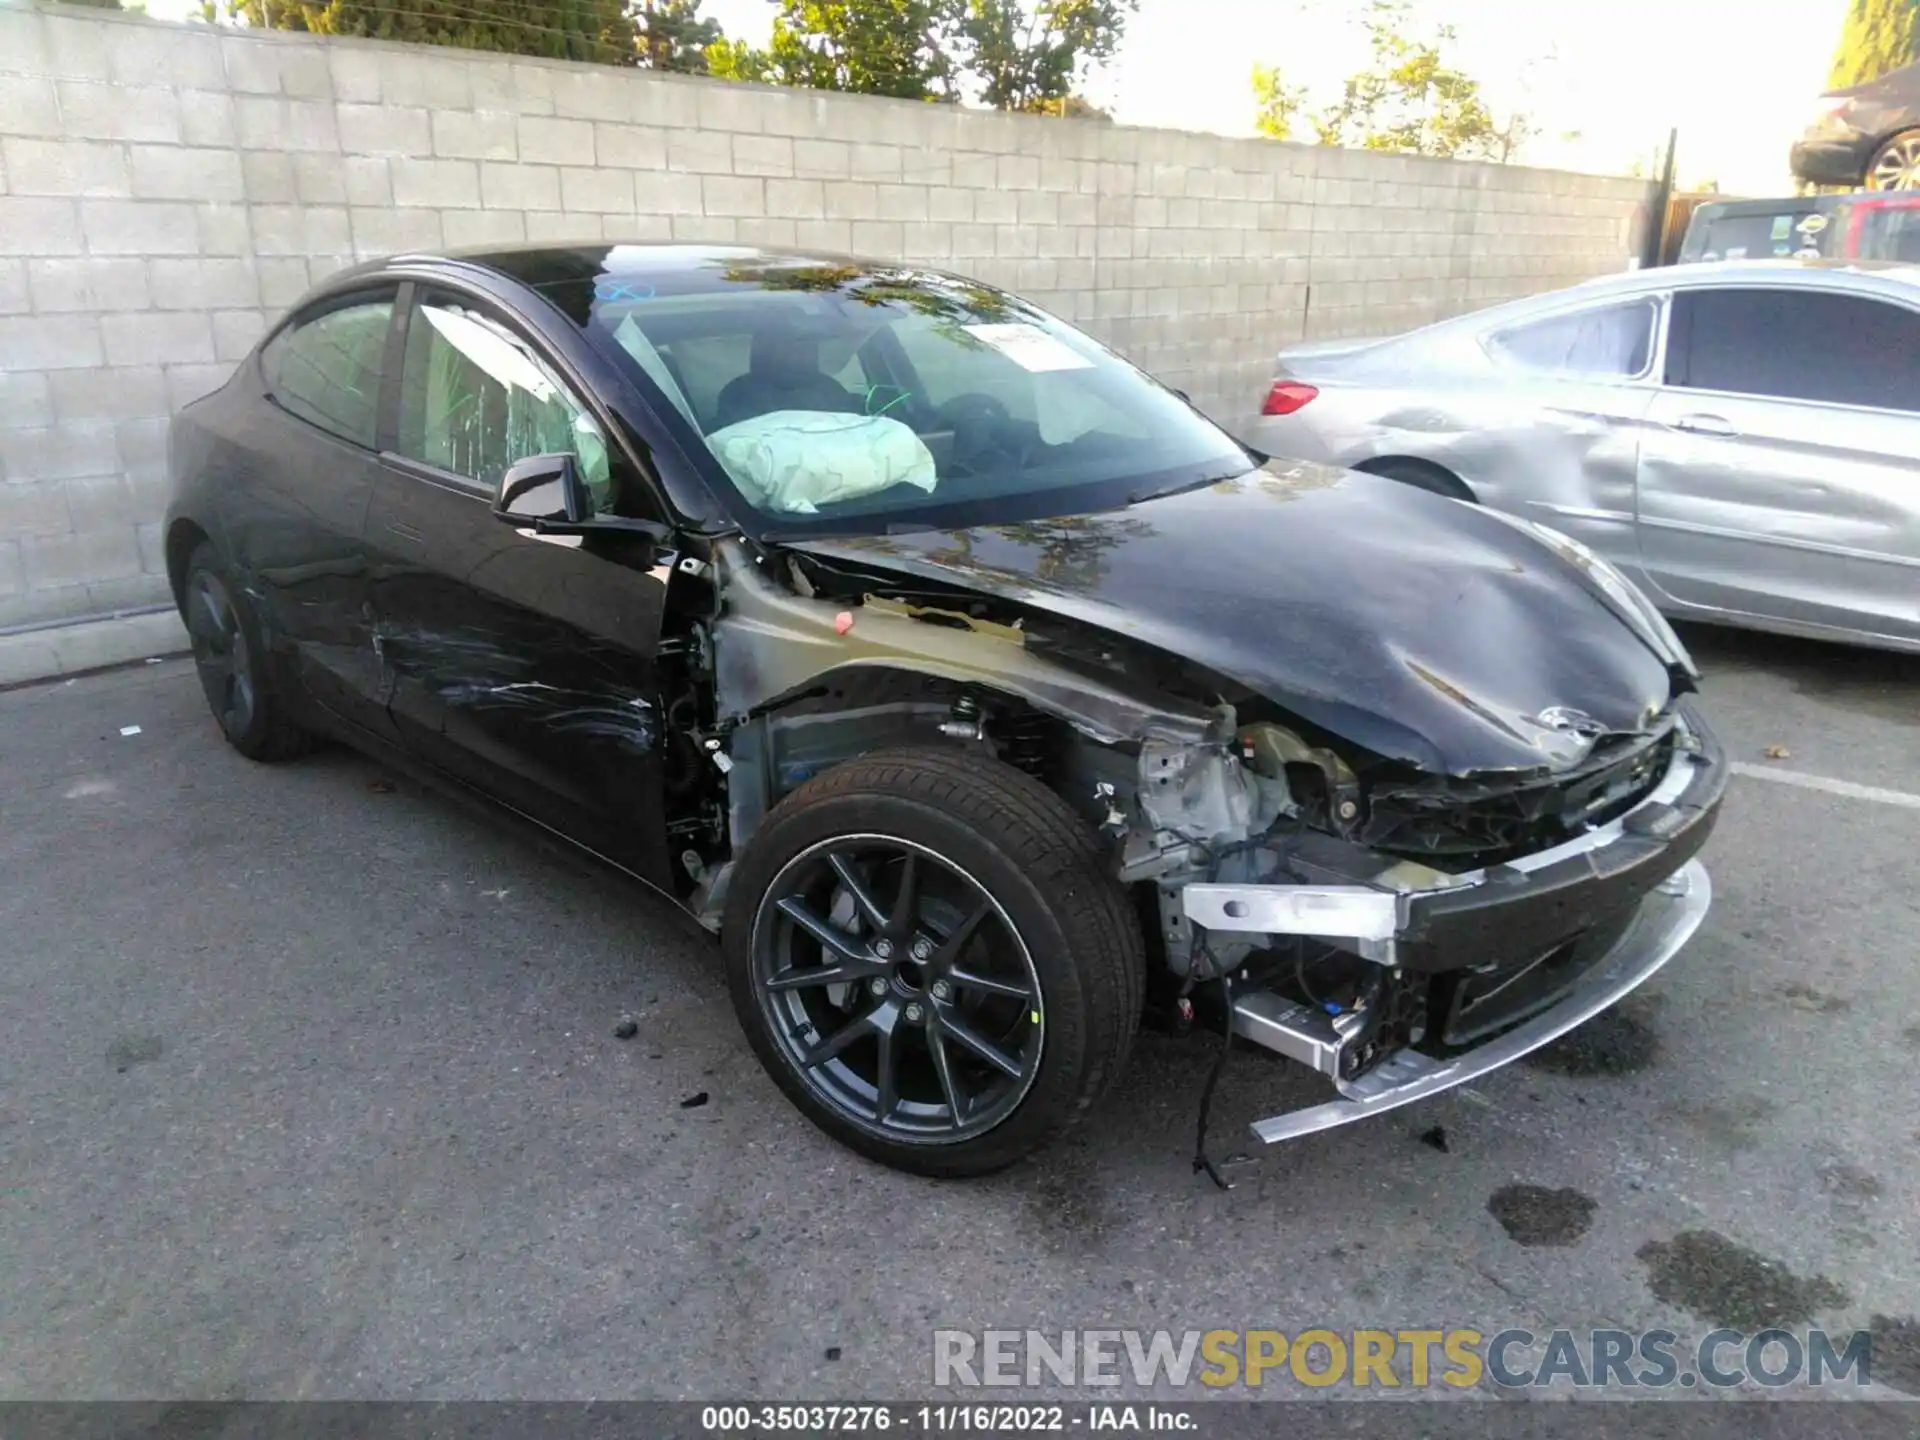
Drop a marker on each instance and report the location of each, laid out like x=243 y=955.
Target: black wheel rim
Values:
x=898 y=989
x=220 y=651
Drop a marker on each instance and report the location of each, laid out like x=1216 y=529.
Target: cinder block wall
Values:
x=165 y=190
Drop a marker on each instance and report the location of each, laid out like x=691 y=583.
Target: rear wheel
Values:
x=1896 y=164
x=932 y=960
x=231 y=657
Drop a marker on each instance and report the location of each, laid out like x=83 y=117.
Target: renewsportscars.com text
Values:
x=1390 y=1359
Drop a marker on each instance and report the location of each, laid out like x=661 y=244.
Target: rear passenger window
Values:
x=1790 y=345
x=1616 y=341
x=326 y=370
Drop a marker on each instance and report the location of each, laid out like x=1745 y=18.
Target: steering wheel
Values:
x=981 y=426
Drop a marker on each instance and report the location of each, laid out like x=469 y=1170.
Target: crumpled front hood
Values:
x=1423 y=629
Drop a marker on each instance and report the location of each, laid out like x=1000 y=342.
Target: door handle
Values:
x=1705 y=425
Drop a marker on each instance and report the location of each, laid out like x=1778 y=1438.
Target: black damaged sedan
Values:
x=981 y=695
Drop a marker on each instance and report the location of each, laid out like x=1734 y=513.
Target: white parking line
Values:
x=1832 y=787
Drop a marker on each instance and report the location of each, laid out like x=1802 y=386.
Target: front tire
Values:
x=1896 y=164
x=231 y=657
x=931 y=957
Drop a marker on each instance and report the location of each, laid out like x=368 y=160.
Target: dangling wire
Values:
x=1201 y=1161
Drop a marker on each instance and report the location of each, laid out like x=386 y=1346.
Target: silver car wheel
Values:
x=1897 y=166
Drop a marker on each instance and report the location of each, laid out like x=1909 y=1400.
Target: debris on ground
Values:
x=694 y=1101
x=127 y=730
x=380 y=787
x=1779 y=752
x=833 y=1352
x=627 y=1028
x=1435 y=1138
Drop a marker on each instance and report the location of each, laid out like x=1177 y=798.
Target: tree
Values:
x=1277 y=105
x=558 y=29
x=673 y=36
x=876 y=47
x=1408 y=100
x=1877 y=36
x=1029 y=56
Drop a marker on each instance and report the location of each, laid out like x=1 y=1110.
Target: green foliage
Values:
x=1408 y=100
x=1030 y=56
x=1877 y=36
x=557 y=29
x=875 y=47
x=673 y=36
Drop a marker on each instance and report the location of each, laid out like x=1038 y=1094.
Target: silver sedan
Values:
x=1742 y=439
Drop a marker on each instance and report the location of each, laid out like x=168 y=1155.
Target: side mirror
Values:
x=543 y=490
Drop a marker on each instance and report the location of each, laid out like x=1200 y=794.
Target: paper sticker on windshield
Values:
x=1813 y=224
x=1030 y=347
x=1736 y=252
x=1810 y=253
x=1782 y=226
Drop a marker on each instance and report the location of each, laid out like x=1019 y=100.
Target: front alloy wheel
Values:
x=1896 y=165
x=898 y=989
x=931 y=957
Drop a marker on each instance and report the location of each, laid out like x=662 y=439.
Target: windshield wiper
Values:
x=1152 y=493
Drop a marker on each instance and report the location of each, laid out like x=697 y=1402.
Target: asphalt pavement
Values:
x=310 y=1088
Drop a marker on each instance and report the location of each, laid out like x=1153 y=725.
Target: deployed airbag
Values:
x=795 y=461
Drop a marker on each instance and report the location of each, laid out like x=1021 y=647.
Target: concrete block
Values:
x=28 y=106
x=434 y=79
x=532 y=88
x=307 y=230
x=664 y=101
x=206 y=118
x=490 y=78
x=13 y=581
x=875 y=162
x=555 y=142
x=545 y=225
x=167 y=172
x=461 y=135
x=1039 y=207
x=268 y=177
x=71 y=649
x=137 y=227
x=721 y=106
x=24 y=47
x=927 y=240
x=975 y=172
x=631 y=147
x=91 y=111
x=64 y=167
x=762 y=155
x=590 y=93
x=832 y=236
x=822 y=159
x=187 y=383
x=998 y=207
x=383 y=130
x=770 y=231
x=1015 y=242
x=482 y=227
x=733 y=195
x=101 y=502
x=14 y=297
x=705 y=229
x=662 y=192
x=950 y=205
x=263 y=122
x=439 y=184
x=236 y=331
x=126 y=393
x=1017 y=172
x=49 y=342
x=30 y=506
x=78 y=558
x=384 y=231
x=282 y=280
x=796 y=199
x=519 y=187
x=363 y=179
x=355 y=73
x=851 y=200
x=926 y=167
x=595 y=191
x=157 y=338
x=879 y=239
x=88 y=283
x=26 y=398
x=222 y=229
x=74 y=49
x=66 y=452
x=702 y=152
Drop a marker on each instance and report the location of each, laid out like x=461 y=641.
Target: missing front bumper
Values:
x=1666 y=919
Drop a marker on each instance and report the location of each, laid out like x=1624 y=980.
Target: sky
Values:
x=1604 y=80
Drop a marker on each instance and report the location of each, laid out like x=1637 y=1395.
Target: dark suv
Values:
x=1866 y=136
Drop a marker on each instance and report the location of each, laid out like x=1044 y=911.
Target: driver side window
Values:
x=474 y=398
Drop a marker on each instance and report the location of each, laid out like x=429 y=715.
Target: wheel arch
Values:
x=1413 y=470
x=184 y=536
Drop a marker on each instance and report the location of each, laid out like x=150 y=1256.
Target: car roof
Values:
x=537 y=265
x=1869 y=277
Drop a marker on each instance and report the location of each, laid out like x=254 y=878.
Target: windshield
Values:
x=837 y=397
